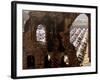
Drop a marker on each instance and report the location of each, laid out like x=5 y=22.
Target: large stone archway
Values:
x=55 y=22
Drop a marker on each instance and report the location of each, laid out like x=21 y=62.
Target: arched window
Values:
x=79 y=37
x=41 y=33
x=78 y=29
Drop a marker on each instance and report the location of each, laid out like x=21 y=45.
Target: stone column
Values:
x=89 y=37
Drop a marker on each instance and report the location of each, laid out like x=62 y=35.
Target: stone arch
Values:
x=63 y=23
x=82 y=23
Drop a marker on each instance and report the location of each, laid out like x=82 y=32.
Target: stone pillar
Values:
x=89 y=36
x=69 y=48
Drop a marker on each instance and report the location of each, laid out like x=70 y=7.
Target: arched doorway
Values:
x=30 y=62
x=79 y=38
